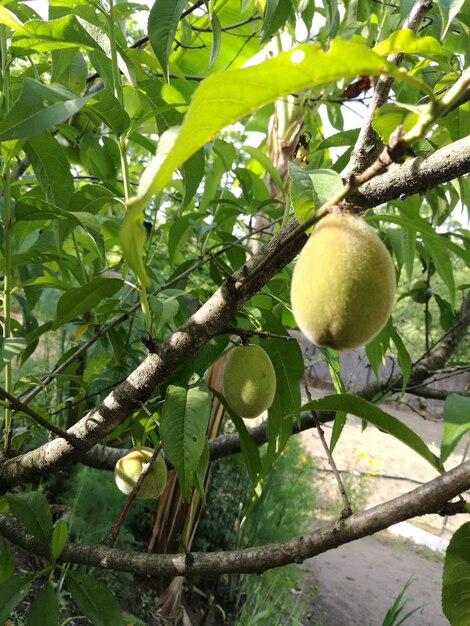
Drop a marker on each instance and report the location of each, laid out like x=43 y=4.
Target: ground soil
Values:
x=359 y=581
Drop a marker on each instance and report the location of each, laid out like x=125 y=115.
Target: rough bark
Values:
x=429 y=498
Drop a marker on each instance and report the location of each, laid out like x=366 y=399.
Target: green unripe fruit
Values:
x=129 y=468
x=249 y=381
x=420 y=292
x=343 y=286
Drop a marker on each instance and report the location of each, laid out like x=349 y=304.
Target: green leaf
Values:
x=108 y=109
x=331 y=358
x=12 y=592
x=390 y=115
x=267 y=164
x=216 y=37
x=44 y=608
x=456 y=423
x=248 y=446
x=408 y=244
x=81 y=300
x=288 y=364
x=404 y=359
x=40 y=36
x=59 y=538
x=32 y=208
x=94 y=599
x=192 y=171
x=456 y=578
x=185 y=417
x=371 y=413
x=309 y=189
x=275 y=15
x=443 y=263
x=9 y=348
x=50 y=168
x=162 y=24
x=32 y=511
x=225 y=97
x=39 y=108
x=132 y=237
x=407 y=42
x=7 y=566
x=449 y=9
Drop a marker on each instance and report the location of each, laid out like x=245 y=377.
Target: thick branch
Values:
x=429 y=498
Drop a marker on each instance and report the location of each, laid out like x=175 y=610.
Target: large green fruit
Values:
x=343 y=286
x=129 y=468
x=249 y=381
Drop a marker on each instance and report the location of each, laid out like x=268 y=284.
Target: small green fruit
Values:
x=129 y=468
x=249 y=381
x=343 y=285
x=420 y=292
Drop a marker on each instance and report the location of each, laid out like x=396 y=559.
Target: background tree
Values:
x=134 y=177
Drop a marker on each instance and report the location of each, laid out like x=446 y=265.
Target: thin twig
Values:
x=113 y=534
x=263 y=334
x=347 y=510
x=21 y=406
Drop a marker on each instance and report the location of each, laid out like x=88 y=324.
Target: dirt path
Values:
x=359 y=581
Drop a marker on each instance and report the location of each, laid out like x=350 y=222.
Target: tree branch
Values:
x=416 y=175
x=368 y=144
x=433 y=497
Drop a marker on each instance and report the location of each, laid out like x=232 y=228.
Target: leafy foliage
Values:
x=142 y=165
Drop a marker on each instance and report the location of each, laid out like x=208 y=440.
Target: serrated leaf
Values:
x=248 y=446
x=12 y=592
x=456 y=423
x=9 y=348
x=7 y=566
x=408 y=244
x=94 y=600
x=372 y=414
x=390 y=115
x=132 y=237
x=404 y=359
x=406 y=41
x=185 y=417
x=109 y=110
x=81 y=300
x=449 y=9
x=309 y=189
x=275 y=15
x=41 y=36
x=50 y=168
x=59 y=538
x=334 y=368
x=216 y=37
x=288 y=364
x=32 y=512
x=39 y=108
x=163 y=21
x=267 y=164
x=44 y=608
x=225 y=97
x=192 y=171
x=443 y=263
x=456 y=578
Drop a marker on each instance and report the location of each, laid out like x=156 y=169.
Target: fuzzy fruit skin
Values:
x=249 y=381
x=343 y=285
x=129 y=467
